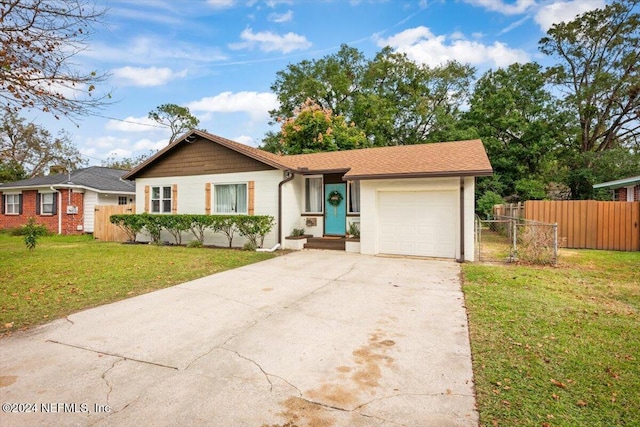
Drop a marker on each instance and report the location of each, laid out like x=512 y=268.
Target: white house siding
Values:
x=90 y=202
x=292 y=203
x=370 y=191
x=191 y=199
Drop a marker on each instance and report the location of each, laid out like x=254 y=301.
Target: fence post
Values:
x=514 y=232
x=555 y=243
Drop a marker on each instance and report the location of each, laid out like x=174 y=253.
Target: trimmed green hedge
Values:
x=253 y=227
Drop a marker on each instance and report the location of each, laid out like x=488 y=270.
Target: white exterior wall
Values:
x=90 y=200
x=292 y=202
x=191 y=199
x=370 y=189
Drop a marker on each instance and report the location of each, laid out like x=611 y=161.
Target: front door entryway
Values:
x=335 y=209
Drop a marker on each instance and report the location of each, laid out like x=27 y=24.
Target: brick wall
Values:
x=621 y=194
x=70 y=222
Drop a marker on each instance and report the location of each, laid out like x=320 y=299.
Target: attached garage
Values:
x=422 y=223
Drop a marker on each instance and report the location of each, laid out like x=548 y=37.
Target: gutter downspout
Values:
x=288 y=177
x=461 y=220
x=59 y=197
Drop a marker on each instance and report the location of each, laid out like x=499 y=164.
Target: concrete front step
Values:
x=325 y=243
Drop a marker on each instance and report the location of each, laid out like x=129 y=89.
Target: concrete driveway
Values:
x=313 y=338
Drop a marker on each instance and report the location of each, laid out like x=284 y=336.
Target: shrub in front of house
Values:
x=252 y=227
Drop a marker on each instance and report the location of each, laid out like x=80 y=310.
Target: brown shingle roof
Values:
x=457 y=158
x=437 y=159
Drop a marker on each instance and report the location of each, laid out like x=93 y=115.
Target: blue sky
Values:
x=220 y=57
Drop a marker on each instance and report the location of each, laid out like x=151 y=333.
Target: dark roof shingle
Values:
x=94 y=177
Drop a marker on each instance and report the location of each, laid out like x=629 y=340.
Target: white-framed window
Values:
x=230 y=198
x=354 y=196
x=122 y=200
x=161 y=199
x=313 y=194
x=12 y=204
x=47 y=203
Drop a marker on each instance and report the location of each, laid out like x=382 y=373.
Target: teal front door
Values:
x=335 y=209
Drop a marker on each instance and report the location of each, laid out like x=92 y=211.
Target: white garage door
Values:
x=420 y=223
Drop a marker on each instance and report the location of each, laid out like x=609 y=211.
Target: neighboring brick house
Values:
x=65 y=203
x=624 y=190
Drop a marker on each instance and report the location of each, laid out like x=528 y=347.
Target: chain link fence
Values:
x=509 y=239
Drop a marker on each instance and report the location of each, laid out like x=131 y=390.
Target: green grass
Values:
x=65 y=274
x=557 y=346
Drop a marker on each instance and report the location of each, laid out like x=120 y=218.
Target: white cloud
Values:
x=153 y=50
x=560 y=11
x=520 y=6
x=281 y=17
x=256 y=104
x=270 y=42
x=246 y=140
x=421 y=45
x=135 y=124
x=221 y=4
x=149 y=76
x=106 y=142
x=147 y=144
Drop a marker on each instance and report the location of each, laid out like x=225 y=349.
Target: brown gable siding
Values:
x=200 y=158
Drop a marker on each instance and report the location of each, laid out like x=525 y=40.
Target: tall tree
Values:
x=522 y=126
x=403 y=103
x=178 y=119
x=39 y=40
x=330 y=82
x=599 y=64
x=32 y=149
x=314 y=129
x=391 y=98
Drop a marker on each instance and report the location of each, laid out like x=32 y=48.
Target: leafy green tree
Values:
x=315 y=129
x=29 y=148
x=403 y=103
x=11 y=170
x=598 y=73
x=520 y=124
x=331 y=82
x=598 y=70
x=178 y=119
x=391 y=98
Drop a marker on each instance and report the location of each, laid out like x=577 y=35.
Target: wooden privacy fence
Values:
x=103 y=229
x=590 y=224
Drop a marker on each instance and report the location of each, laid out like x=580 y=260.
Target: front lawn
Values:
x=65 y=274
x=557 y=346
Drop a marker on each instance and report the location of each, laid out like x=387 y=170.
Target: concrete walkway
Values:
x=313 y=338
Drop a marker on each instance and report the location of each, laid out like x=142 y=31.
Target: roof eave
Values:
x=441 y=174
x=618 y=183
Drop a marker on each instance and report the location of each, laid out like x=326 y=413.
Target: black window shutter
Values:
x=4 y=200
x=55 y=203
x=37 y=203
x=20 y=204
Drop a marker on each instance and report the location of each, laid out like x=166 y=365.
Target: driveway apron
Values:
x=312 y=338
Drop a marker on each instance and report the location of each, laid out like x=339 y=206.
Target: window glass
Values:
x=230 y=198
x=160 y=204
x=354 y=196
x=313 y=194
x=12 y=205
x=46 y=200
